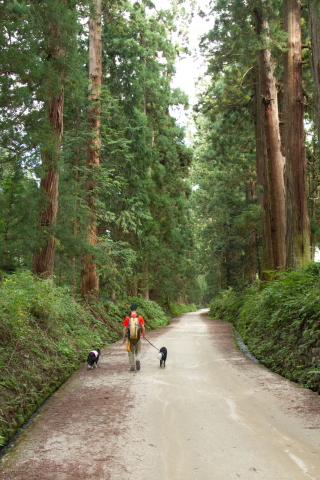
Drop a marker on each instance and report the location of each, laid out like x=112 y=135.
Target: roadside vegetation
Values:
x=45 y=335
x=280 y=322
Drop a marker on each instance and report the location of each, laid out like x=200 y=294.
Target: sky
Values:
x=188 y=70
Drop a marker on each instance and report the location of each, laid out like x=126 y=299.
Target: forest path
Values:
x=211 y=414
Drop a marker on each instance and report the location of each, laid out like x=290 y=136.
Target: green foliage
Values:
x=140 y=187
x=150 y=210
x=18 y=209
x=280 y=322
x=179 y=308
x=226 y=197
x=229 y=199
x=226 y=306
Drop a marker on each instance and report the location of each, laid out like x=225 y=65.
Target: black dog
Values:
x=93 y=358
x=162 y=355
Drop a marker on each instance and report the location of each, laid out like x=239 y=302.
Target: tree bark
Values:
x=89 y=277
x=251 y=254
x=314 y=20
x=43 y=264
x=146 y=281
x=298 y=226
x=270 y=161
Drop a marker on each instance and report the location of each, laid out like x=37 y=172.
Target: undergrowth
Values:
x=45 y=335
x=180 y=308
x=226 y=306
x=280 y=322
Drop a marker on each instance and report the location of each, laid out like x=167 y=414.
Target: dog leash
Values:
x=151 y=344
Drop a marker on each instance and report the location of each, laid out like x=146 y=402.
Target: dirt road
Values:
x=211 y=414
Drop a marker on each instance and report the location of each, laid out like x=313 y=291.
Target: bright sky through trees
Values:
x=190 y=68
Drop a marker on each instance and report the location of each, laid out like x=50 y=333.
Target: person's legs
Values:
x=134 y=355
x=131 y=358
x=138 y=354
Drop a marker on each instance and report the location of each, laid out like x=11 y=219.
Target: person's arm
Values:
x=143 y=328
x=124 y=334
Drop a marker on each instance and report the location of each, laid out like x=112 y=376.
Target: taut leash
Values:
x=151 y=344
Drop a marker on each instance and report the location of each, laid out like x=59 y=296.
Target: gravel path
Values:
x=211 y=414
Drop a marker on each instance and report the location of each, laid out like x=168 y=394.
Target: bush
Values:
x=226 y=306
x=179 y=308
x=280 y=324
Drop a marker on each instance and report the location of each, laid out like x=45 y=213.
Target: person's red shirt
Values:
x=126 y=320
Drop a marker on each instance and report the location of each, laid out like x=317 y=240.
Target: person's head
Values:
x=133 y=308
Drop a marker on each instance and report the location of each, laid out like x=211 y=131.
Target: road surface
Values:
x=211 y=414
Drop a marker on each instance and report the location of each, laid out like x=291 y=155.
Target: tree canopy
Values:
x=130 y=211
x=101 y=192
x=258 y=146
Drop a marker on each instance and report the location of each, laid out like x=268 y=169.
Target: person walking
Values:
x=131 y=321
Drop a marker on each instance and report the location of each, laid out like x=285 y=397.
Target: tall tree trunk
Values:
x=43 y=264
x=146 y=281
x=314 y=19
x=250 y=263
x=270 y=161
x=5 y=238
x=90 y=278
x=75 y=277
x=313 y=189
x=298 y=226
